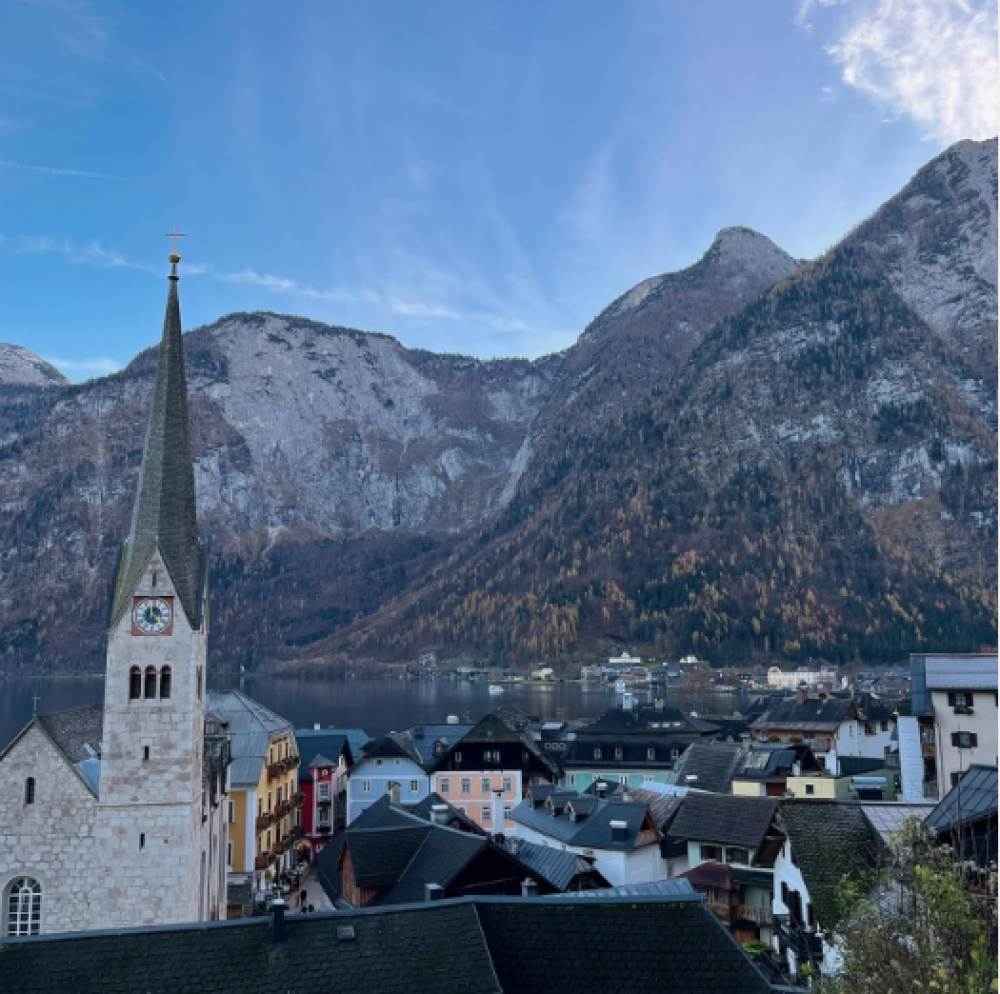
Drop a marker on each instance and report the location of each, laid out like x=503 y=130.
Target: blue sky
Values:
x=469 y=176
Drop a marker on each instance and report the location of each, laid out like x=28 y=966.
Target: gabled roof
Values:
x=816 y=715
x=471 y=945
x=662 y=807
x=765 y=759
x=165 y=516
x=328 y=746
x=558 y=867
x=380 y=855
x=396 y=745
x=251 y=726
x=503 y=726
x=972 y=799
x=829 y=840
x=381 y=814
x=593 y=831
x=726 y=819
x=646 y=719
x=72 y=731
x=453 y=819
x=708 y=766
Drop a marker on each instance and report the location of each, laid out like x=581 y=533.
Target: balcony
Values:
x=325 y=828
x=324 y=802
x=817 y=745
x=264 y=821
x=278 y=849
x=298 y=799
x=275 y=771
x=294 y=834
x=261 y=862
x=751 y=913
x=931 y=790
x=281 y=809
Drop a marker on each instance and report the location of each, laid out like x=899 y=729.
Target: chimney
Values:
x=315 y=726
x=602 y=789
x=439 y=814
x=514 y=844
x=626 y=794
x=433 y=892
x=529 y=888
x=395 y=794
x=278 y=923
x=452 y=719
x=801 y=695
x=619 y=831
x=659 y=703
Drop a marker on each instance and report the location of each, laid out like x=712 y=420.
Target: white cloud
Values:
x=82 y=369
x=59 y=171
x=934 y=61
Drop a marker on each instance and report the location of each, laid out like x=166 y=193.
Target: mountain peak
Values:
x=22 y=368
x=743 y=245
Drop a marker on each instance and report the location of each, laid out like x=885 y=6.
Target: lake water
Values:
x=377 y=706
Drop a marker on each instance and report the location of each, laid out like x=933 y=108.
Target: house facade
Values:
x=389 y=765
x=264 y=802
x=326 y=758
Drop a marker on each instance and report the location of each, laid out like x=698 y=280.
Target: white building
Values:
x=115 y=813
x=952 y=724
x=780 y=679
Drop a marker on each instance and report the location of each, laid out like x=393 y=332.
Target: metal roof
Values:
x=888 y=818
x=972 y=799
x=251 y=726
x=961 y=672
x=677 y=889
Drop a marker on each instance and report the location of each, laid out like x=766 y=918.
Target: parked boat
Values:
x=495 y=689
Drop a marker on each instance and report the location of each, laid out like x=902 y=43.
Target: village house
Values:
x=326 y=758
x=486 y=772
x=966 y=820
x=951 y=723
x=766 y=768
x=116 y=813
x=709 y=766
x=621 y=837
x=825 y=842
x=726 y=846
x=631 y=745
x=263 y=795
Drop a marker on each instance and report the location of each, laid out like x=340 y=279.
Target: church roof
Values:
x=164 y=515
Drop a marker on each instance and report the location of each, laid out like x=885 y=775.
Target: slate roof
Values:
x=440 y=857
x=764 y=759
x=557 y=866
x=646 y=719
x=726 y=819
x=72 y=731
x=381 y=814
x=164 y=515
x=708 y=766
x=593 y=831
x=465 y=946
x=676 y=887
x=829 y=840
x=325 y=744
x=816 y=715
x=634 y=751
x=972 y=799
x=251 y=727
x=454 y=818
x=396 y=745
x=380 y=855
x=662 y=806
x=424 y=737
x=327 y=866
x=496 y=727
x=974 y=672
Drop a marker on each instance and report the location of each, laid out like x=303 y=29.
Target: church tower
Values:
x=157 y=790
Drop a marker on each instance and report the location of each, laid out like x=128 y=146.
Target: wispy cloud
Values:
x=60 y=171
x=934 y=61
x=88 y=254
x=83 y=369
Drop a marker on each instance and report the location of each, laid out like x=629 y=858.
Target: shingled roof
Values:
x=815 y=715
x=73 y=730
x=708 y=766
x=727 y=819
x=465 y=946
x=829 y=840
x=165 y=516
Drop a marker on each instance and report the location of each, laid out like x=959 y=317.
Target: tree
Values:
x=929 y=925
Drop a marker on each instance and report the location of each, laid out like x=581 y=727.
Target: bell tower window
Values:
x=165 y=683
x=134 y=683
x=150 y=694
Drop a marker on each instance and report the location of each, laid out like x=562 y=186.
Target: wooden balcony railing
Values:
x=751 y=913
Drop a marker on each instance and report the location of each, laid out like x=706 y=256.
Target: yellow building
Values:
x=264 y=798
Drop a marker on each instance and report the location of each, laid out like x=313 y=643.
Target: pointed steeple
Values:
x=164 y=515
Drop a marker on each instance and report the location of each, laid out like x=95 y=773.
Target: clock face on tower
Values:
x=152 y=615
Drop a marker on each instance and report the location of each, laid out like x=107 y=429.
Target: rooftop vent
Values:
x=452 y=719
x=529 y=888
x=433 y=892
x=345 y=933
x=316 y=726
x=278 y=922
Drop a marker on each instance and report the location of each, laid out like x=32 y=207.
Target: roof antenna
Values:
x=34 y=703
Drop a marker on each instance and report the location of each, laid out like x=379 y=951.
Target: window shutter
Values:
x=954 y=739
x=951 y=699
x=972 y=740
x=968 y=699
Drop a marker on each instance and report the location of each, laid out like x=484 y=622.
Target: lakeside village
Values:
x=174 y=838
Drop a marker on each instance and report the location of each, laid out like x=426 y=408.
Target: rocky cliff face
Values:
x=363 y=497
x=21 y=368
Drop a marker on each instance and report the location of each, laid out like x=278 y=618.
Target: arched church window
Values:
x=29 y=790
x=150 y=683
x=134 y=683
x=165 y=683
x=23 y=907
